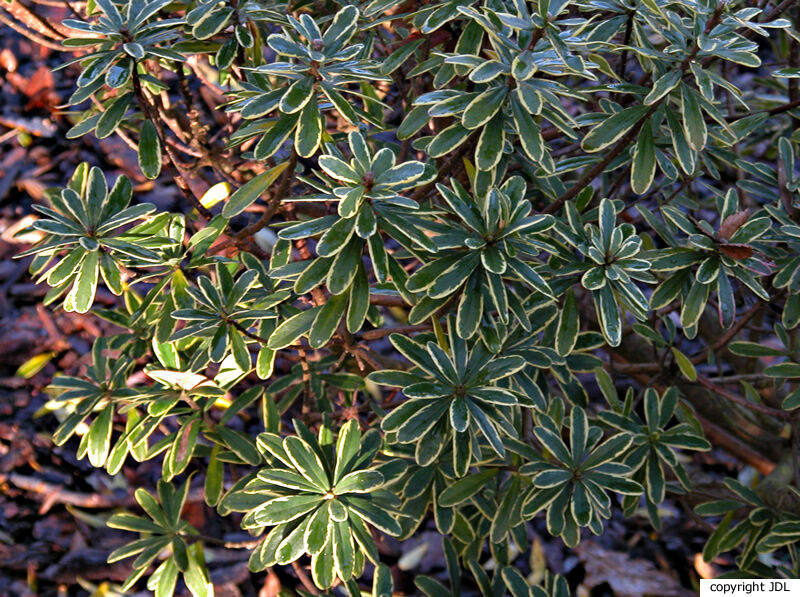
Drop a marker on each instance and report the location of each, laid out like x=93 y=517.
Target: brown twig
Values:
x=301 y=574
x=716 y=434
x=741 y=401
x=274 y=200
x=382 y=333
x=729 y=333
x=600 y=166
x=34 y=37
x=387 y=300
x=178 y=177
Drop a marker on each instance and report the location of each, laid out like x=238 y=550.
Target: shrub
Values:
x=487 y=265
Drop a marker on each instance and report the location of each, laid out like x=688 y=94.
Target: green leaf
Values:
x=309 y=129
x=112 y=116
x=129 y=522
x=310 y=227
x=149 y=151
x=465 y=488
x=359 y=482
x=336 y=237
x=100 y=437
x=67 y=267
x=374 y=515
x=694 y=304
x=240 y=444
x=414 y=120
x=275 y=136
x=662 y=86
x=343 y=550
x=135 y=547
x=693 y=123
x=322 y=570
x=345 y=266
x=358 y=305
x=196 y=577
x=448 y=139
x=163 y=580
x=530 y=134
x=307 y=462
x=399 y=56
x=608 y=451
x=252 y=190
x=382 y=583
x=214 y=21
x=712 y=547
x=214 y=478
x=490 y=145
x=792 y=401
x=726 y=301
x=784 y=370
x=680 y=143
x=338 y=169
x=286 y=508
x=343 y=107
x=297 y=95
x=318 y=530
x=179 y=554
x=643 y=168
x=481 y=109
x=612 y=128
x=754 y=349
x=568 y=325
x=608 y=310
x=432 y=587
x=684 y=364
x=341 y=29
x=290 y=330
x=401 y=174
x=516 y=583
x=294 y=544
x=327 y=320
x=578 y=432
x=81 y=297
x=109 y=271
x=347 y=446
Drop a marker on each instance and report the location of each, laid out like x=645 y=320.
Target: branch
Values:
x=600 y=166
x=34 y=37
x=388 y=300
x=772 y=111
x=623 y=143
x=740 y=400
x=716 y=434
x=152 y=115
x=274 y=201
x=383 y=332
x=729 y=334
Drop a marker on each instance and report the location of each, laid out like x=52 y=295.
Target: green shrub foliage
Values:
x=482 y=265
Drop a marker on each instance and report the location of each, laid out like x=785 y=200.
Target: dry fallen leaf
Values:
x=272 y=585
x=8 y=61
x=41 y=89
x=703 y=568
x=13 y=235
x=627 y=577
